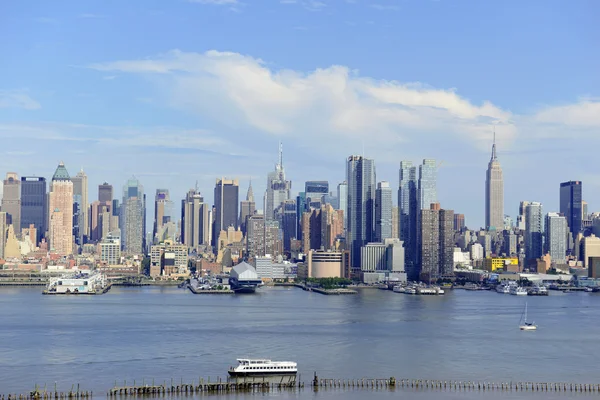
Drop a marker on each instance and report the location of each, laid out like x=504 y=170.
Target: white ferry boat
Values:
x=518 y=291
x=261 y=367
x=399 y=289
x=78 y=283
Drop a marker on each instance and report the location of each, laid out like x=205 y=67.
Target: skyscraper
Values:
x=133 y=212
x=437 y=244
x=60 y=208
x=534 y=231
x=278 y=189
x=289 y=223
x=427 y=184
x=11 y=200
x=163 y=214
x=342 y=194
x=196 y=224
x=408 y=204
x=383 y=211
x=360 y=175
x=105 y=193
x=3 y=230
x=80 y=193
x=226 y=206
x=494 y=193
x=34 y=205
x=556 y=237
x=247 y=208
x=315 y=191
x=571 y=205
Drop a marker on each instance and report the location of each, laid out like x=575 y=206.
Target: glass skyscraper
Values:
x=360 y=176
x=34 y=204
x=571 y=205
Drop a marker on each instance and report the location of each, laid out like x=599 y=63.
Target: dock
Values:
x=290 y=383
x=97 y=292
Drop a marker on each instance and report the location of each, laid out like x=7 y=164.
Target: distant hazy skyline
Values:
x=176 y=92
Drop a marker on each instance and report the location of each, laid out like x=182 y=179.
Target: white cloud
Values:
x=328 y=104
x=17 y=99
x=585 y=113
x=385 y=7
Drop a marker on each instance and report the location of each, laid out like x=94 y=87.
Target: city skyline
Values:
x=136 y=99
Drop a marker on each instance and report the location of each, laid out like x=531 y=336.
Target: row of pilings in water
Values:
x=316 y=384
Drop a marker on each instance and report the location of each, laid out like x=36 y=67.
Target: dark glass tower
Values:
x=571 y=205
x=226 y=206
x=33 y=204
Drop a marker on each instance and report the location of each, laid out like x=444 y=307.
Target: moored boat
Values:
x=262 y=367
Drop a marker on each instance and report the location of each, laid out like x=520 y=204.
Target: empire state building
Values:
x=494 y=193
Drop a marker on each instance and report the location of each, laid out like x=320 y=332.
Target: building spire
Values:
x=280 y=163
x=494 y=157
x=250 y=194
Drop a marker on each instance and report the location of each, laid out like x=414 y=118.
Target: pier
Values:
x=290 y=383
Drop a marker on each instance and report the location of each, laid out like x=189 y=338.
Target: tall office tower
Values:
x=196 y=223
x=494 y=193
x=34 y=205
x=510 y=243
x=102 y=220
x=534 y=231
x=273 y=238
x=360 y=175
x=80 y=197
x=60 y=208
x=342 y=194
x=521 y=217
x=247 y=208
x=437 y=244
x=226 y=206
x=408 y=218
x=332 y=226
x=278 y=189
x=571 y=205
x=584 y=209
x=132 y=217
x=163 y=213
x=3 y=230
x=459 y=222
x=105 y=193
x=556 y=237
x=383 y=211
x=311 y=230
x=315 y=192
x=255 y=243
x=396 y=224
x=427 y=184
x=11 y=200
x=300 y=208
x=289 y=224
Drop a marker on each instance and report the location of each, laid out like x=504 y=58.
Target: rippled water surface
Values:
x=159 y=334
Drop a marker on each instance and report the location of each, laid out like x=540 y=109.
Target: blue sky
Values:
x=176 y=92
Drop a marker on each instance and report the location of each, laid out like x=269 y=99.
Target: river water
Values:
x=162 y=333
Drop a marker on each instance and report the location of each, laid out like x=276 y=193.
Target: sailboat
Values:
x=527 y=326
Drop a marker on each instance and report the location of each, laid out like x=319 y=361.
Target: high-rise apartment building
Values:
x=163 y=214
x=494 y=193
x=11 y=200
x=383 y=211
x=196 y=224
x=360 y=175
x=459 y=222
x=534 y=231
x=556 y=237
x=255 y=243
x=133 y=213
x=247 y=208
x=571 y=205
x=278 y=189
x=408 y=216
x=226 y=206
x=34 y=201
x=395 y=223
x=60 y=209
x=80 y=199
x=105 y=193
x=437 y=243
